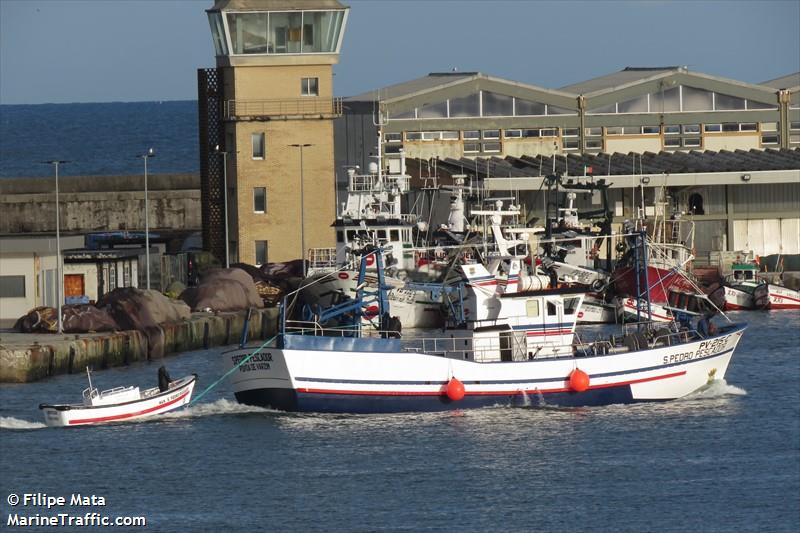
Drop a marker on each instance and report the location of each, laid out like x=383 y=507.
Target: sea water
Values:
x=98 y=139
x=727 y=458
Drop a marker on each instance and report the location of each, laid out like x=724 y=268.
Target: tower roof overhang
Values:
x=275 y=5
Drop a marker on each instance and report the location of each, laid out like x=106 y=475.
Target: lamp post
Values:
x=150 y=153
x=302 y=215
x=225 y=196
x=59 y=274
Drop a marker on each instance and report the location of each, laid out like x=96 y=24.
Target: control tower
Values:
x=266 y=128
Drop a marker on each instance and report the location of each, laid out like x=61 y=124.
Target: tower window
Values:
x=260 y=199
x=309 y=87
x=261 y=252
x=259 y=147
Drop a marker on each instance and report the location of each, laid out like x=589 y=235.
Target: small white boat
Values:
x=120 y=403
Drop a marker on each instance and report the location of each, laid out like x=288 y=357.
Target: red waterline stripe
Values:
x=484 y=393
x=128 y=415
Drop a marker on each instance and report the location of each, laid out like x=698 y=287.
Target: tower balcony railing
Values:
x=293 y=107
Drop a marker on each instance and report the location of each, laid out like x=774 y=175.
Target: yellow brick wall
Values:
x=279 y=173
x=279 y=82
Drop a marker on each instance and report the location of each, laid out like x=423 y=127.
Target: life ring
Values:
x=370 y=259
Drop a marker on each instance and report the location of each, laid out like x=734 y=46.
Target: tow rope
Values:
x=229 y=372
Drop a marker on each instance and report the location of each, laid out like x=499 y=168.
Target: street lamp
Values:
x=150 y=153
x=302 y=215
x=225 y=196
x=59 y=274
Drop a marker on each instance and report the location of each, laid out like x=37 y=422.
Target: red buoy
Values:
x=455 y=389
x=578 y=380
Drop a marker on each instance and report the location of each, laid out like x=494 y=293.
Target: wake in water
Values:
x=9 y=422
x=717 y=389
x=219 y=407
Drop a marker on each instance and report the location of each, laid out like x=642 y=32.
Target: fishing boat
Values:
x=121 y=403
x=744 y=290
x=516 y=349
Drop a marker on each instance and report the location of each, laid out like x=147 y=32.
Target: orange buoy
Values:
x=455 y=389
x=578 y=380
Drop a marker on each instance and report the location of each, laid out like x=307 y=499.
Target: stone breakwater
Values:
x=26 y=357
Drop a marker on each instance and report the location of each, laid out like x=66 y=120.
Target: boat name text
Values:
x=706 y=348
x=259 y=361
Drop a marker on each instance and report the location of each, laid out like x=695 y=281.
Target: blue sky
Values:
x=133 y=50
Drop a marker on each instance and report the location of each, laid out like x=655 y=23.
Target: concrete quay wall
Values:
x=27 y=357
x=99 y=203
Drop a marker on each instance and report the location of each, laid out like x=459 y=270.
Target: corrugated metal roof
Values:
x=624 y=164
x=432 y=80
x=623 y=77
x=275 y=5
x=436 y=80
x=789 y=81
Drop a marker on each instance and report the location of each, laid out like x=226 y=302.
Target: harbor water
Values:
x=725 y=459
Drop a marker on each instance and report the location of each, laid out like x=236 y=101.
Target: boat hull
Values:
x=82 y=415
x=398 y=381
x=783 y=297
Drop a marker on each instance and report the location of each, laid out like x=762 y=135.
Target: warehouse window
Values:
x=594 y=144
x=672 y=130
x=528 y=108
x=723 y=102
x=749 y=126
x=635 y=105
x=491 y=147
x=712 y=128
x=413 y=135
x=651 y=130
x=12 y=286
x=691 y=128
x=437 y=110
x=449 y=135
x=697 y=99
x=512 y=134
x=672 y=142
x=467 y=106
x=472 y=148
x=393 y=137
x=691 y=142
x=491 y=134
x=472 y=134
x=497 y=105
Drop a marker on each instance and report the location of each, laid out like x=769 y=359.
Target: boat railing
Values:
x=90 y=393
x=321 y=258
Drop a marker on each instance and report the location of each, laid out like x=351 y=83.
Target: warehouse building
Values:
x=470 y=114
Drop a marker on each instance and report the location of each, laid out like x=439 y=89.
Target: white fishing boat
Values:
x=517 y=349
x=121 y=403
x=746 y=291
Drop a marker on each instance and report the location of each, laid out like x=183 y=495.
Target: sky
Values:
x=58 y=51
